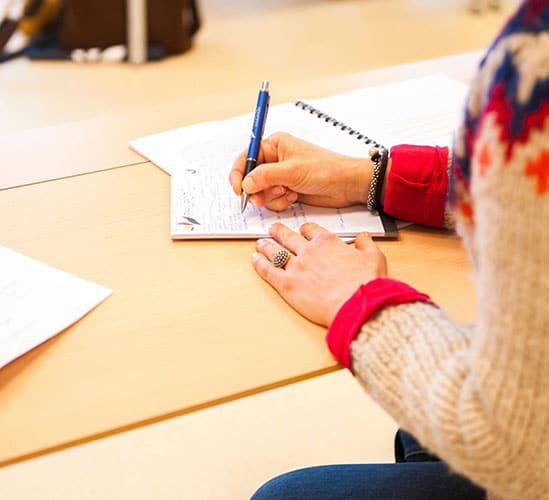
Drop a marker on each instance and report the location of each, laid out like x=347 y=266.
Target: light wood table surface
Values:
x=189 y=324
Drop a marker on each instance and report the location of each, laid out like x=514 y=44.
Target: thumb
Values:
x=363 y=241
x=268 y=175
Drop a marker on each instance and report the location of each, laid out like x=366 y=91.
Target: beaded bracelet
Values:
x=379 y=159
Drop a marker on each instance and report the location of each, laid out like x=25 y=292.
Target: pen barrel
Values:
x=260 y=116
x=250 y=165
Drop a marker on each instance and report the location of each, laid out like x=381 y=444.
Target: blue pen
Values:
x=260 y=117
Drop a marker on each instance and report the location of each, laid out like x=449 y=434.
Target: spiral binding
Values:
x=336 y=123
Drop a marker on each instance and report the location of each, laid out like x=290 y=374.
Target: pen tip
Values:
x=243 y=202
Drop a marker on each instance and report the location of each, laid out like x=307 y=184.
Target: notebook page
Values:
x=422 y=111
x=216 y=144
x=204 y=206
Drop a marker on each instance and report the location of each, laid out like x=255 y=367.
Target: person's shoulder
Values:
x=531 y=18
x=514 y=66
x=508 y=103
x=512 y=77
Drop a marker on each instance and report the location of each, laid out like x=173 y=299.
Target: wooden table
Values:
x=189 y=324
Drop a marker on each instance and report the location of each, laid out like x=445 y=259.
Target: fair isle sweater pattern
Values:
x=478 y=395
x=512 y=88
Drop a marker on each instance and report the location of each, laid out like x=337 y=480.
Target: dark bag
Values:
x=86 y=24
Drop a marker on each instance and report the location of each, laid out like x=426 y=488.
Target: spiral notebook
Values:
x=199 y=157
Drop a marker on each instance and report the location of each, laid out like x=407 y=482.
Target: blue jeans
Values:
x=417 y=475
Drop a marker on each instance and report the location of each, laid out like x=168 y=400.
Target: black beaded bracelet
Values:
x=379 y=157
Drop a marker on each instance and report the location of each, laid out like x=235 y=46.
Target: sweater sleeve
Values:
x=479 y=396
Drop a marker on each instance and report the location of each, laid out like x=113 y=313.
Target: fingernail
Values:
x=292 y=197
x=260 y=243
x=255 y=256
x=279 y=190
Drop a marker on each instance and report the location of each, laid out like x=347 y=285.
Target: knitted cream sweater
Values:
x=478 y=396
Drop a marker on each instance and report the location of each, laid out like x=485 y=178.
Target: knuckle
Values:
x=281 y=136
x=286 y=286
x=326 y=237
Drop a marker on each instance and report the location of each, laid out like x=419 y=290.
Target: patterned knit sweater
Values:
x=478 y=396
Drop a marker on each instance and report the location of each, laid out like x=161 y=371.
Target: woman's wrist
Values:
x=359 y=176
x=368 y=299
x=359 y=173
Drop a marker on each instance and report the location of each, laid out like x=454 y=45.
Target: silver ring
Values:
x=281 y=258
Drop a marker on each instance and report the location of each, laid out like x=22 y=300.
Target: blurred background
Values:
x=240 y=43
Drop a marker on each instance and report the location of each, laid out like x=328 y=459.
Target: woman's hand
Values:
x=290 y=169
x=322 y=272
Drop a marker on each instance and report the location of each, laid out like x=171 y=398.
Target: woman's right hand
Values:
x=290 y=169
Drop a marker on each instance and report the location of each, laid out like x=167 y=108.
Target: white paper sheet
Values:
x=204 y=206
x=422 y=111
x=38 y=301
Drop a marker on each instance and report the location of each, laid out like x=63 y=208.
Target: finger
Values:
x=311 y=230
x=257 y=199
x=237 y=172
x=364 y=240
x=272 y=146
x=239 y=165
x=274 y=193
x=287 y=238
x=269 y=249
x=267 y=175
x=271 y=274
x=282 y=202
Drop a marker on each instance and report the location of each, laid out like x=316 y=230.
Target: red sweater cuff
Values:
x=417 y=184
x=365 y=303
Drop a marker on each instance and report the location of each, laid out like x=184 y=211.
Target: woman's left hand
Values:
x=322 y=273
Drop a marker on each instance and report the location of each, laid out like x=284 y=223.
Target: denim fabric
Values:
x=417 y=475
